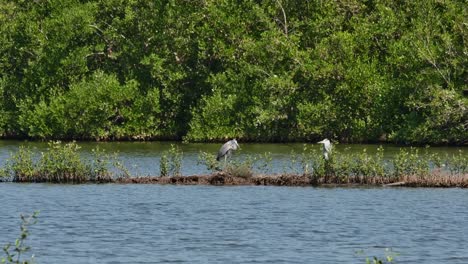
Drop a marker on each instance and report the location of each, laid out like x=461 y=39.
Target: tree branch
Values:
x=285 y=24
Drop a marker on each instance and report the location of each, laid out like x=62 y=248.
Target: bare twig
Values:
x=285 y=24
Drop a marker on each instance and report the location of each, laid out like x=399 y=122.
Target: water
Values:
x=142 y=158
x=115 y=223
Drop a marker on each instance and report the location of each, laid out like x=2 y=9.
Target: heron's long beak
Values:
x=321 y=142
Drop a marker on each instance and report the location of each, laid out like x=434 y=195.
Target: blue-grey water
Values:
x=115 y=223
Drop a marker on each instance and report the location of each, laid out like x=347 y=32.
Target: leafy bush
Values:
x=20 y=166
x=60 y=163
x=458 y=163
x=209 y=161
x=242 y=170
x=171 y=162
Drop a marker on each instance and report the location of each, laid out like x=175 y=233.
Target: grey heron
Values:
x=327 y=148
x=227 y=149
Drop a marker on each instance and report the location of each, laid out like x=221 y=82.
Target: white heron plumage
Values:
x=326 y=148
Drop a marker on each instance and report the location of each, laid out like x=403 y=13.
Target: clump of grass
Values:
x=242 y=170
x=171 y=162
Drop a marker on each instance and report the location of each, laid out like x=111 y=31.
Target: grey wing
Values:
x=223 y=150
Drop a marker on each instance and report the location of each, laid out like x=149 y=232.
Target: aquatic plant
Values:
x=100 y=166
x=409 y=163
x=238 y=167
x=60 y=163
x=209 y=161
x=170 y=162
x=163 y=165
x=263 y=162
x=346 y=167
x=242 y=170
x=14 y=252
x=389 y=257
x=298 y=162
x=20 y=166
x=458 y=163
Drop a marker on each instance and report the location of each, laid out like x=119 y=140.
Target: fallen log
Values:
x=393 y=184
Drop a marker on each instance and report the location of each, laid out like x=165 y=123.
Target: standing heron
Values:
x=227 y=149
x=327 y=148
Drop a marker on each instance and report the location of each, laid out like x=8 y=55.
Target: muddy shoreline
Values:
x=433 y=180
x=223 y=179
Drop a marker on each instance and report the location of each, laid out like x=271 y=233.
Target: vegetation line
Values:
x=61 y=163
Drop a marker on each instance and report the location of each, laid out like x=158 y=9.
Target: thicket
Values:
x=205 y=70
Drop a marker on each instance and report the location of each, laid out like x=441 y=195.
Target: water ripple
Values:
x=204 y=224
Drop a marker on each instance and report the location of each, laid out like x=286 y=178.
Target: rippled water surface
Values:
x=204 y=224
x=115 y=223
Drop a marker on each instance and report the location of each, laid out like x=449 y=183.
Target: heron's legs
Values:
x=225 y=159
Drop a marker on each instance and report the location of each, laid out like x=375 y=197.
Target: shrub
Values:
x=242 y=170
x=209 y=161
x=21 y=166
x=60 y=163
x=171 y=162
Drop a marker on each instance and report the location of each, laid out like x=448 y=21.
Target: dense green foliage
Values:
x=272 y=70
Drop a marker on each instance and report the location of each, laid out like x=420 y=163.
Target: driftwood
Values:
x=394 y=184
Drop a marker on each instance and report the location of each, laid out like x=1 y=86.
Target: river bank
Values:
x=196 y=164
x=437 y=180
x=434 y=180
x=222 y=179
